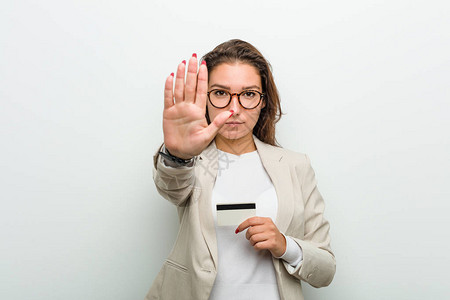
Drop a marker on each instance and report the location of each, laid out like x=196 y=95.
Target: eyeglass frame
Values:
x=261 y=96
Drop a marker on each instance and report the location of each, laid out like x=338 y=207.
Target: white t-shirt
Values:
x=243 y=272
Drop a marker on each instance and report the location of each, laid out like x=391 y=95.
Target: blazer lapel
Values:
x=278 y=170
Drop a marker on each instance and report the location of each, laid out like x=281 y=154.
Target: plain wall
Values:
x=365 y=89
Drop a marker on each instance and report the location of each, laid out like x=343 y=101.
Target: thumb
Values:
x=218 y=122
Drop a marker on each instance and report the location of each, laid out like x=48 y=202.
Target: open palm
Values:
x=186 y=131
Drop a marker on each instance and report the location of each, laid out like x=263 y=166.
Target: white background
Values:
x=365 y=89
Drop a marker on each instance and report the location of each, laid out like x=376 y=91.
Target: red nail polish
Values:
x=204 y=63
x=171 y=74
x=183 y=62
x=237 y=231
x=232 y=112
x=194 y=55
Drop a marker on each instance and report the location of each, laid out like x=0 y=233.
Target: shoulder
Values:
x=281 y=154
x=293 y=155
x=297 y=160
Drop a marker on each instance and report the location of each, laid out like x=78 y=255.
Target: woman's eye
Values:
x=249 y=94
x=219 y=93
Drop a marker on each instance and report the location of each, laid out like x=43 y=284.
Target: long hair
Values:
x=234 y=51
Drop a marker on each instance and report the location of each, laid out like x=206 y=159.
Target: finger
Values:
x=202 y=85
x=211 y=131
x=191 y=80
x=277 y=249
x=179 y=82
x=253 y=221
x=168 y=92
x=264 y=245
x=256 y=229
x=257 y=238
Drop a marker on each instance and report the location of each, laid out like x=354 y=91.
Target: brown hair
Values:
x=236 y=50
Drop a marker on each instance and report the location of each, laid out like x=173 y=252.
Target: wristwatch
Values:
x=182 y=162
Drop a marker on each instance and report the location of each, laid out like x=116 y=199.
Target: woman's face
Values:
x=235 y=78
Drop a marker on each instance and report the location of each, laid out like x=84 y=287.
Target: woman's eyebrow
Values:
x=220 y=86
x=251 y=87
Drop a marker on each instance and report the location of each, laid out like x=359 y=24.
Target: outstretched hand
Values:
x=186 y=131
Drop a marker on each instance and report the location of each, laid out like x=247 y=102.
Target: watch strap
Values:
x=166 y=154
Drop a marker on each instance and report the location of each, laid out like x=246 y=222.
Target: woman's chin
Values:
x=232 y=134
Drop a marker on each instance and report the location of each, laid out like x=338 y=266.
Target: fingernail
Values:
x=204 y=63
x=237 y=231
x=232 y=112
x=171 y=74
x=194 y=55
x=183 y=62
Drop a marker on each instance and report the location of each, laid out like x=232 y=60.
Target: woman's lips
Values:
x=233 y=123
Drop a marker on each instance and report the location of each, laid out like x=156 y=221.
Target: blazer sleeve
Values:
x=318 y=265
x=173 y=183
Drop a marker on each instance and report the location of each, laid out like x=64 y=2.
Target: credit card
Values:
x=234 y=214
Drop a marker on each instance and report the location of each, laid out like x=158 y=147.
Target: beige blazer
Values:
x=191 y=267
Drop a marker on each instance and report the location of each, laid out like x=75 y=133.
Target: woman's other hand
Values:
x=264 y=234
x=186 y=131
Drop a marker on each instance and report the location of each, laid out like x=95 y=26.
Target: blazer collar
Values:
x=276 y=168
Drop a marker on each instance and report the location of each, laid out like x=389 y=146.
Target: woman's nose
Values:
x=234 y=104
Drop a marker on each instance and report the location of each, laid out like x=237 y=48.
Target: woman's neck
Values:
x=235 y=146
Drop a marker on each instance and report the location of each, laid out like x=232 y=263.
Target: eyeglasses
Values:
x=248 y=99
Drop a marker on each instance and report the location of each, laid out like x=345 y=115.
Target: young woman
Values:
x=251 y=217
